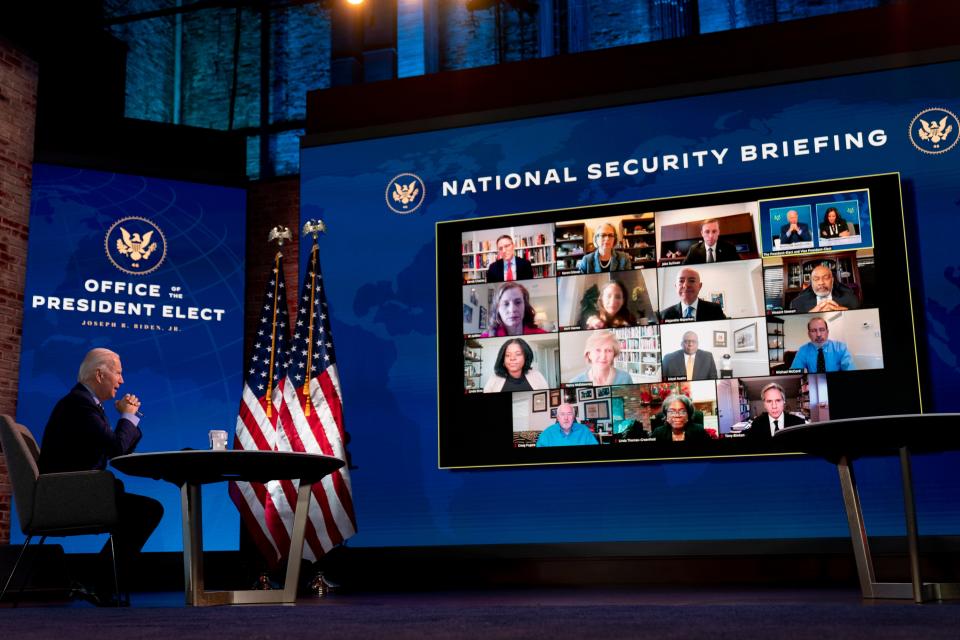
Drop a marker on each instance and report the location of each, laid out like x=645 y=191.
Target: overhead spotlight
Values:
x=355 y=2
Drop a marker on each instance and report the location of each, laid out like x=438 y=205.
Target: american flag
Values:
x=266 y=510
x=313 y=399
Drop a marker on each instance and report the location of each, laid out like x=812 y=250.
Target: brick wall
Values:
x=18 y=106
x=269 y=203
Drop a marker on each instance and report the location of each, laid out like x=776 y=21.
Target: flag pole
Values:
x=315 y=228
x=278 y=234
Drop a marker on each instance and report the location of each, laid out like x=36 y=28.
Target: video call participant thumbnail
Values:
x=600 y=352
x=678 y=424
x=690 y=362
x=821 y=354
x=605 y=257
x=774 y=418
x=824 y=294
x=610 y=309
x=711 y=248
x=509 y=266
x=565 y=431
x=691 y=306
x=511 y=313
x=513 y=369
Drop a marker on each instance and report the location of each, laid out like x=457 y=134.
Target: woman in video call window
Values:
x=513 y=369
x=600 y=351
x=833 y=225
x=605 y=257
x=610 y=309
x=678 y=424
x=511 y=313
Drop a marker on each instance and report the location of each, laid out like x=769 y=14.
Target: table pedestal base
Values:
x=196 y=595
x=915 y=589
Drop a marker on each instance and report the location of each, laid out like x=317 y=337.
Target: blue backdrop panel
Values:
x=380 y=271
x=186 y=371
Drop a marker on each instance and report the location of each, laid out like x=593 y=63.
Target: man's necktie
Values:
x=689 y=313
x=689 y=360
x=509 y=270
x=821 y=361
x=776 y=425
x=710 y=257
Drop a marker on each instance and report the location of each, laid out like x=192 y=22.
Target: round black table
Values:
x=191 y=469
x=843 y=441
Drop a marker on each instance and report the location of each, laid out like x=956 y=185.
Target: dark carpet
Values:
x=566 y=614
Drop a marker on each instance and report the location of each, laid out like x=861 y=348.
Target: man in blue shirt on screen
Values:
x=822 y=354
x=565 y=431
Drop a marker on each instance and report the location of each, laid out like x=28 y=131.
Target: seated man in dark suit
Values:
x=690 y=362
x=690 y=306
x=794 y=230
x=509 y=266
x=711 y=248
x=774 y=418
x=79 y=438
x=824 y=294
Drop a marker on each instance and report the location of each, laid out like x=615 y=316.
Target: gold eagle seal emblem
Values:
x=405 y=193
x=135 y=245
x=934 y=131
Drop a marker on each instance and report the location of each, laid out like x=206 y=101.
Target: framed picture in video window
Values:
x=598 y=410
x=540 y=402
x=745 y=339
x=585 y=394
x=554 y=398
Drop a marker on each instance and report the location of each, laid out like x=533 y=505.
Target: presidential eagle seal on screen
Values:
x=934 y=131
x=405 y=193
x=135 y=245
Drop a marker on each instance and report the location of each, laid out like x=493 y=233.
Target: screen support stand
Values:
x=916 y=589
x=196 y=595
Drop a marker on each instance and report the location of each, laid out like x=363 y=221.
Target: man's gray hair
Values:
x=773 y=385
x=98 y=358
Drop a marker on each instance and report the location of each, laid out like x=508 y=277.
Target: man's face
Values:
x=773 y=403
x=107 y=379
x=505 y=247
x=822 y=281
x=792 y=216
x=565 y=416
x=688 y=285
x=710 y=233
x=690 y=343
x=818 y=331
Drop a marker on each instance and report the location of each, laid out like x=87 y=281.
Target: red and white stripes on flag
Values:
x=266 y=509
x=313 y=401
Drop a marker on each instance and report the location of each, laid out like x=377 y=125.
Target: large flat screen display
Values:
x=446 y=453
x=690 y=326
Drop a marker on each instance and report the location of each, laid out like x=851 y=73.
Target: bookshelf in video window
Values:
x=797 y=270
x=637 y=237
x=532 y=245
x=640 y=353
x=744 y=405
x=472 y=362
x=775 y=341
x=805 y=398
x=570 y=245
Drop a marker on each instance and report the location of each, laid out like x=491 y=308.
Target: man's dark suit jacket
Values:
x=844 y=296
x=760 y=427
x=495 y=270
x=79 y=438
x=705 y=311
x=723 y=252
x=789 y=237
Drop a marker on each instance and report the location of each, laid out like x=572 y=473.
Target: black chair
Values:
x=56 y=504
